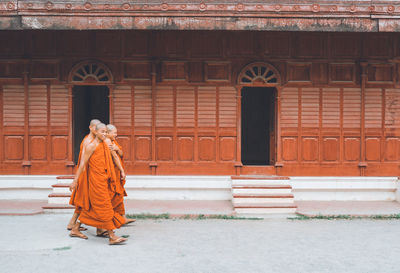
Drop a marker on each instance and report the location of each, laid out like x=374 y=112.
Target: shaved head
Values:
x=94 y=122
x=111 y=127
x=100 y=125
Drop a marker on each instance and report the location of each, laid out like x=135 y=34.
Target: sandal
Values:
x=80 y=228
x=118 y=241
x=79 y=235
x=103 y=234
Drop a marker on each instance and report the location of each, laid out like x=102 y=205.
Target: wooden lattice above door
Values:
x=259 y=74
x=90 y=72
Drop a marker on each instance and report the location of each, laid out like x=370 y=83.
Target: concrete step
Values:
x=61 y=188
x=237 y=201
x=59 y=198
x=58 y=208
x=265 y=209
x=263 y=189
x=259 y=180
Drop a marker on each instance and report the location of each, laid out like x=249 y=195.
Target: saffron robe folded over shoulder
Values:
x=118 y=199
x=77 y=196
x=102 y=186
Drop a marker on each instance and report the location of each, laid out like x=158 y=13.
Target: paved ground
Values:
x=183 y=207
x=39 y=243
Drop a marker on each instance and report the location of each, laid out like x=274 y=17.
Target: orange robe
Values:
x=118 y=199
x=102 y=186
x=77 y=196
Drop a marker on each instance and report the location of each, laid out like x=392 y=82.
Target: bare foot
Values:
x=128 y=221
x=117 y=240
x=75 y=232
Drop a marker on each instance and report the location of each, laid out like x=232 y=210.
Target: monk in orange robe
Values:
x=101 y=184
x=77 y=194
x=116 y=151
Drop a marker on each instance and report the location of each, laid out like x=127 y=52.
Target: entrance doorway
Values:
x=89 y=102
x=258 y=115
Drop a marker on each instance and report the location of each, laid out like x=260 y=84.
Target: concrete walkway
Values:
x=188 y=207
x=40 y=244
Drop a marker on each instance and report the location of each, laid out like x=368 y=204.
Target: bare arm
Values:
x=116 y=159
x=86 y=154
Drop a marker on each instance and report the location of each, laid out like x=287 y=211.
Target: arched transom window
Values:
x=91 y=72
x=259 y=73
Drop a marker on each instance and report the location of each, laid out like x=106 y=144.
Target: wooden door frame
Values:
x=266 y=80
x=87 y=80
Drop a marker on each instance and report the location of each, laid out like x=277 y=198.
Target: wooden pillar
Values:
x=153 y=163
x=278 y=162
x=363 y=164
x=26 y=164
x=1 y=126
x=111 y=103
x=132 y=125
x=238 y=163
x=196 y=124
x=48 y=142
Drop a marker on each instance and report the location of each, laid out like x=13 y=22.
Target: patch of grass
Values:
x=226 y=217
x=345 y=217
x=125 y=236
x=149 y=216
x=62 y=248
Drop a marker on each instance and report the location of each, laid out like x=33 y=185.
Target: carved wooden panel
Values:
x=206 y=43
x=143 y=148
x=38 y=147
x=122 y=104
x=174 y=71
x=299 y=72
x=309 y=149
x=59 y=112
x=78 y=43
x=37 y=105
x=345 y=45
x=44 y=43
x=44 y=70
x=289 y=107
x=351 y=108
x=217 y=71
x=331 y=107
x=310 y=107
x=378 y=45
x=196 y=71
x=310 y=45
x=185 y=148
x=185 y=106
x=380 y=73
x=207 y=102
x=164 y=148
x=164 y=106
x=330 y=149
x=276 y=44
x=207 y=148
x=125 y=142
x=13 y=147
x=108 y=43
x=342 y=73
x=227 y=106
x=289 y=148
x=227 y=148
x=351 y=148
x=392 y=149
x=11 y=70
x=392 y=108
x=60 y=147
x=373 y=108
x=173 y=43
x=136 y=43
x=372 y=149
x=137 y=71
x=13 y=105
x=12 y=43
x=241 y=43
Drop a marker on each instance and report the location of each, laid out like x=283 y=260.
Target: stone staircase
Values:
x=59 y=199
x=262 y=196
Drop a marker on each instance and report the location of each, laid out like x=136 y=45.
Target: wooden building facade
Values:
x=203 y=102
